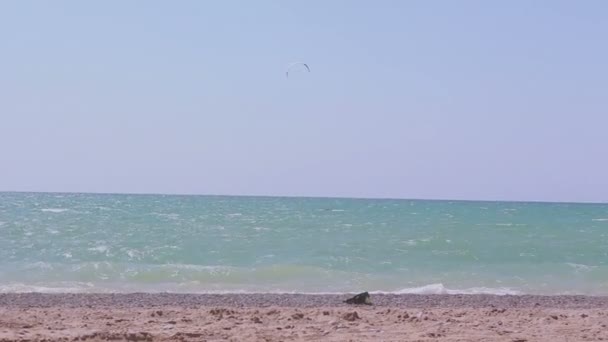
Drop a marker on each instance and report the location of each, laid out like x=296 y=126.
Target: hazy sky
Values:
x=412 y=99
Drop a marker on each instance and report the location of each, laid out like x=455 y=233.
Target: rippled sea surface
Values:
x=151 y=243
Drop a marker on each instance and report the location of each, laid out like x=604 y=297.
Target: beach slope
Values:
x=270 y=317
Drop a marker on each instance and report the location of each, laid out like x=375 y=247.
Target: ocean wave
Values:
x=99 y=249
x=600 y=219
x=104 y=276
x=193 y=287
x=51 y=288
x=171 y=216
x=40 y=265
x=175 y=276
x=441 y=289
x=54 y=210
x=581 y=267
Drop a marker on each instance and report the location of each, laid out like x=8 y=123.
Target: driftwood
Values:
x=361 y=298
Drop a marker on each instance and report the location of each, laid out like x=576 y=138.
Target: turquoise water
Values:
x=150 y=243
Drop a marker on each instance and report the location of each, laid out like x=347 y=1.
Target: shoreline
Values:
x=291 y=317
x=137 y=300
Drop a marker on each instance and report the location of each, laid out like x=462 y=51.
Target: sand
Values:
x=256 y=317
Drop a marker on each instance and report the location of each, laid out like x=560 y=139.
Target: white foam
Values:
x=267 y=256
x=60 y=288
x=581 y=267
x=53 y=210
x=100 y=249
x=600 y=219
x=410 y=242
x=337 y=210
x=194 y=287
x=134 y=254
x=171 y=216
x=441 y=289
x=40 y=265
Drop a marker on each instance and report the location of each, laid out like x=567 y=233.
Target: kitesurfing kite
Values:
x=296 y=66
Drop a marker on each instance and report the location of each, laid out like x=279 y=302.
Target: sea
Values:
x=56 y=242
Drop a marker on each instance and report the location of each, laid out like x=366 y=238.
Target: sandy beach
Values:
x=270 y=317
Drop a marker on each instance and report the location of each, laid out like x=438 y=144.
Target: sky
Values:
x=477 y=100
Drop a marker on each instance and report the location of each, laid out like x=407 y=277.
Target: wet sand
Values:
x=270 y=317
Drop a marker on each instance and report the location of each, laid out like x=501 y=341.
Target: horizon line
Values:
x=297 y=196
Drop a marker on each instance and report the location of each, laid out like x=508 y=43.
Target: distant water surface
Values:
x=153 y=243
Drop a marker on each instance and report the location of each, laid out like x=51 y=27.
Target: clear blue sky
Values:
x=410 y=99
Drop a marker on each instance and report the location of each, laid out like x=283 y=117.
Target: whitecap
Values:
x=41 y=265
x=599 y=219
x=134 y=254
x=268 y=256
x=449 y=252
x=100 y=249
x=53 y=210
x=76 y=287
x=580 y=267
x=441 y=289
x=171 y=216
